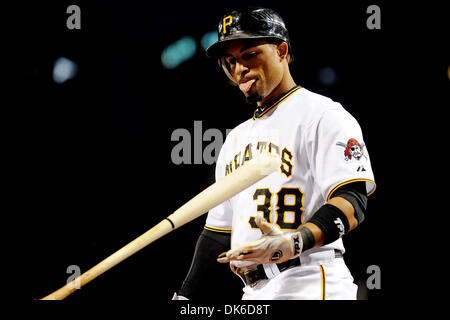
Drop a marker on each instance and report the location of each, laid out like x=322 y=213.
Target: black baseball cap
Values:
x=248 y=23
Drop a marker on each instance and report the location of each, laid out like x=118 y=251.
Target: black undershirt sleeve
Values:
x=206 y=275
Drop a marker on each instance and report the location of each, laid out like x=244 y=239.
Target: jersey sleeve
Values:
x=338 y=154
x=220 y=218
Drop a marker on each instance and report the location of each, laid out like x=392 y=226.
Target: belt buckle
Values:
x=250 y=279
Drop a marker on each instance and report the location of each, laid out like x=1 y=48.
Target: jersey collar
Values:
x=263 y=110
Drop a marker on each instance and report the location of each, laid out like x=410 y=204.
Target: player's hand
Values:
x=272 y=247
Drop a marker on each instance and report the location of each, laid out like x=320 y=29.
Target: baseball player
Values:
x=283 y=235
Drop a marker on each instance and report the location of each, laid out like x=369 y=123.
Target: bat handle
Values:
x=61 y=293
x=161 y=229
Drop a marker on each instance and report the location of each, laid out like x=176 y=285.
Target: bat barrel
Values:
x=254 y=170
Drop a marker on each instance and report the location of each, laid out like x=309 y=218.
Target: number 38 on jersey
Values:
x=288 y=209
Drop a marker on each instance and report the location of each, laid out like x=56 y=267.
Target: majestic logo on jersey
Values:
x=353 y=149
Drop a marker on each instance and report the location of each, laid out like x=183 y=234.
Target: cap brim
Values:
x=216 y=50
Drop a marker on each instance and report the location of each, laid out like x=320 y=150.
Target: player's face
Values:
x=256 y=67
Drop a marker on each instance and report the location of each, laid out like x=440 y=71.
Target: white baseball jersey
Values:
x=321 y=147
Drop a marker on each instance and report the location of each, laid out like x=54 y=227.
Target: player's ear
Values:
x=283 y=50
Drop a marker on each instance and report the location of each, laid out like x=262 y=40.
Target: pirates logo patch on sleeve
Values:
x=353 y=149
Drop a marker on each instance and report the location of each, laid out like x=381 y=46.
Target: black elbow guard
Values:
x=356 y=194
x=332 y=221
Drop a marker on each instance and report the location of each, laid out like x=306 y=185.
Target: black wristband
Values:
x=332 y=221
x=307 y=238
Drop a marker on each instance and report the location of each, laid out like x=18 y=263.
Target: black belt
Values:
x=253 y=276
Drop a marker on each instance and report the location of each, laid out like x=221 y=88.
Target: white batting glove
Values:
x=272 y=247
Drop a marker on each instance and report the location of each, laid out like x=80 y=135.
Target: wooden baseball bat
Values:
x=240 y=179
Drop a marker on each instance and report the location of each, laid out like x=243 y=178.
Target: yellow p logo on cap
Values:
x=226 y=22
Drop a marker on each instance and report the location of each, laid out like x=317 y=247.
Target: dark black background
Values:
x=91 y=161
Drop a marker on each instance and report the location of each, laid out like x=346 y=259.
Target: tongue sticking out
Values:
x=245 y=87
